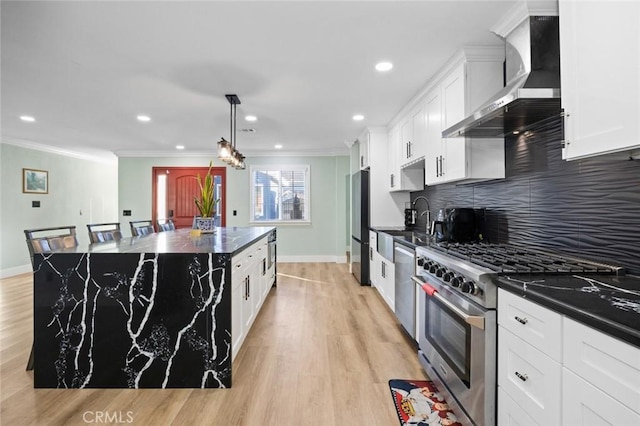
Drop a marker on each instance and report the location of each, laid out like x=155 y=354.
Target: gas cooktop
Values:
x=511 y=259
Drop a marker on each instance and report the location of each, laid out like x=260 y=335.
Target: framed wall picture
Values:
x=35 y=181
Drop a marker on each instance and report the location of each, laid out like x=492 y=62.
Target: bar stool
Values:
x=46 y=240
x=141 y=227
x=101 y=232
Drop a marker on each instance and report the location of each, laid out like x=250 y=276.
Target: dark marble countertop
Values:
x=225 y=240
x=607 y=303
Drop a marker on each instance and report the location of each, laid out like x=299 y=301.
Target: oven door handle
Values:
x=472 y=320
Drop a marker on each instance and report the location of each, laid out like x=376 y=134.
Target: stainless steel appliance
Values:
x=532 y=90
x=457 y=314
x=405 y=290
x=360 y=226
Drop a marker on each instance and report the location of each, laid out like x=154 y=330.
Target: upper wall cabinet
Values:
x=600 y=76
x=413 y=143
x=409 y=177
x=469 y=82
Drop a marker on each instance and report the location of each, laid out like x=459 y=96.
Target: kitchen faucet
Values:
x=427 y=212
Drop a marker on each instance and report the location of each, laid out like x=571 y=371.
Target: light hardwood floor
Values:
x=320 y=353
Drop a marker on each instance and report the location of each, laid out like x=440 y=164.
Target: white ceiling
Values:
x=85 y=70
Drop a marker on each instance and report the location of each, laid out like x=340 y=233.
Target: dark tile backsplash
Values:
x=587 y=208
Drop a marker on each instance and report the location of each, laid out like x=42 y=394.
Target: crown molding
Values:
x=521 y=11
x=248 y=154
x=106 y=158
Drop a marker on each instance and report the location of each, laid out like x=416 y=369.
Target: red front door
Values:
x=174 y=189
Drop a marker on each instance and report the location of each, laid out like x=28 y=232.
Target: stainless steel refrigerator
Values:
x=360 y=226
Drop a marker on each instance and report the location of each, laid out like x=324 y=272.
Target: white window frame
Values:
x=279 y=168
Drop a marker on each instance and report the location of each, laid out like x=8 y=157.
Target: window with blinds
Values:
x=280 y=194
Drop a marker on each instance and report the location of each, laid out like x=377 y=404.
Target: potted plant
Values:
x=206 y=203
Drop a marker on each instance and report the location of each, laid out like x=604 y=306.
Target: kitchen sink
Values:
x=385 y=242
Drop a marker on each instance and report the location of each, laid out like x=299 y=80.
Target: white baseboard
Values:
x=16 y=270
x=312 y=259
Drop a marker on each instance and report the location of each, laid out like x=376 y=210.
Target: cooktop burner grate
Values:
x=509 y=259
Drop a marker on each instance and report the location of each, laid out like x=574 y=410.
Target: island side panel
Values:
x=132 y=320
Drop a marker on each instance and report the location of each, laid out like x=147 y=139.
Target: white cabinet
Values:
x=586 y=405
x=383 y=278
x=386 y=209
x=465 y=86
x=600 y=76
x=608 y=363
x=408 y=178
x=529 y=358
x=412 y=136
x=555 y=370
x=530 y=377
x=248 y=281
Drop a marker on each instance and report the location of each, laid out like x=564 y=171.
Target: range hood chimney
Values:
x=532 y=91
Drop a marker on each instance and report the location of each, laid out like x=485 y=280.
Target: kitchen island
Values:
x=143 y=312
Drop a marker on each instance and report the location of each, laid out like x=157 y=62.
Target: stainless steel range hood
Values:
x=532 y=92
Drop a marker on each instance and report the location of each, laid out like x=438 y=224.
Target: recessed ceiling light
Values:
x=358 y=117
x=251 y=118
x=143 y=118
x=27 y=118
x=179 y=146
x=384 y=66
x=278 y=146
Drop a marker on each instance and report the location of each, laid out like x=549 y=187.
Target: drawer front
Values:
x=530 y=377
x=511 y=414
x=536 y=325
x=586 y=405
x=606 y=362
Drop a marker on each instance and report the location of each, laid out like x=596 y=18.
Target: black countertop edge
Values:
x=611 y=328
x=229 y=240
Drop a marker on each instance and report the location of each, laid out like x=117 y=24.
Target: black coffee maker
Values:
x=410 y=216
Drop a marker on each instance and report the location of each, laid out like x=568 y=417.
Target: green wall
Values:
x=325 y=239
x=81 y=191
x=85 y=190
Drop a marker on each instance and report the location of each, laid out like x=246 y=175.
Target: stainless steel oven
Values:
x=458 y=349
x=457 y=340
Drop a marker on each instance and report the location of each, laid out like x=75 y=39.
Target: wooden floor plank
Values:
x=320 y=352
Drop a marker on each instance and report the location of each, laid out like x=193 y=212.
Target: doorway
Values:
x=174 y=189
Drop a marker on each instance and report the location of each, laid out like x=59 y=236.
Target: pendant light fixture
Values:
x=227 y=151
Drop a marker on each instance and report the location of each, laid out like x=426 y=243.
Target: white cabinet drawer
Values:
x=511 y=414
x=586 y=405
x=606 y=362
x=530 y=377
x=536 y=325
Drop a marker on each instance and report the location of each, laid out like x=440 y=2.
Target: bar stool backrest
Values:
x=101 y=232
x=46 y=240
x=166 y=225
x=141 y=227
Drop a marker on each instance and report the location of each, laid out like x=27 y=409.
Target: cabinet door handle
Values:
x=248 y=287
x=361 y=160
x=391 y=180
x=409 y=149
x=437 y=168
x=441 y=165
x=522 y=321
x=384 y=271
x=522 y=377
